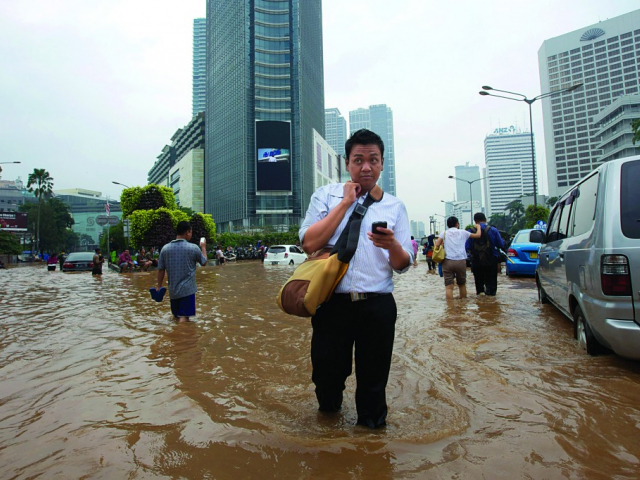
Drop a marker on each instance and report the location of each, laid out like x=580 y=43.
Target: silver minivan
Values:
x=589 y=264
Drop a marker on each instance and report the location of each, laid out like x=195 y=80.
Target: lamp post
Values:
x=118 y=183
x=528 y=101
x=4 y=163
x=470 y=182
x=444 y=220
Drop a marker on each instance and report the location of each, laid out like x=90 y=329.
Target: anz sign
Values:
x=502 y=131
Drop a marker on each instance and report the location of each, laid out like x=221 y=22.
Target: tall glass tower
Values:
x=265 y=96
x=199 y=85
x=379 y=119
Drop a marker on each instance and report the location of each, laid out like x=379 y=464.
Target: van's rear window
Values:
x=630 y=199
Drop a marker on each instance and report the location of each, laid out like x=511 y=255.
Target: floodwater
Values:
x=97 y=381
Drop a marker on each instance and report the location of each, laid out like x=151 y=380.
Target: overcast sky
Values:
x=92 y=90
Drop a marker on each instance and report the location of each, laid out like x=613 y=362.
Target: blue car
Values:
x=522 y=256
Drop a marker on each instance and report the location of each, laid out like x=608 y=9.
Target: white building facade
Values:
x=326 y=162
x=509 y=168
x=604 y=58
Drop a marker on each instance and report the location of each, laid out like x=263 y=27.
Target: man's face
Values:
x=364 y=165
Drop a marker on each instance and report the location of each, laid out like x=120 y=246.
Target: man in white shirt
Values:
x=362 y=311
x=454 y=266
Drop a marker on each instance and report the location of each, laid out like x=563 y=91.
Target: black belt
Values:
x=357 y=296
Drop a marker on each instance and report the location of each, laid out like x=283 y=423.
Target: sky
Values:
x=92 y=90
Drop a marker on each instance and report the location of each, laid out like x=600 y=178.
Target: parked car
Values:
x=284 y=255
x=523 y=252
x=78 y=262
x=590 y=258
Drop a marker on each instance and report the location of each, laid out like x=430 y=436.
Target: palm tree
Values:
x=41 y=184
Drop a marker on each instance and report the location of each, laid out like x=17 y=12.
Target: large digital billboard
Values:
x=273 y=156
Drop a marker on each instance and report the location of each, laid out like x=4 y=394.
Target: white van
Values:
x=589 y=264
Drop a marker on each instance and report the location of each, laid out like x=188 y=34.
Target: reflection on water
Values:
x=96 y=380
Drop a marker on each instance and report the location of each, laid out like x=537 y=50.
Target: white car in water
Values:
x=284 y=255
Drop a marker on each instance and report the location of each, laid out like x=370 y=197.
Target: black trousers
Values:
x=486 y=278
x=340 y=324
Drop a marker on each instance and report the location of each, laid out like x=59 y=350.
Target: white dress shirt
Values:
x=369 y=269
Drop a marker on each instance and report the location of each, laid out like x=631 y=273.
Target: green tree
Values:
x=635 y=126
x=535 y=213
x=40 y=183
x=516 y=209
x=551 y=201
x=9 y=244
x=55 y=223
x=500 y=221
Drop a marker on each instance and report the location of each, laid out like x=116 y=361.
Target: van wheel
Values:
x=542 y=295
x=291 y=262
x=584 y=335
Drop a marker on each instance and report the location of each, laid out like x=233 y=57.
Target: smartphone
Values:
x=203 y=240
x=376 y=225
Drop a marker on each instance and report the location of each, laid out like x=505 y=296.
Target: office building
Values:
x=85 y=206
x=327 y=162
x=613 y=128
x=190 y=137
x=335 y=132
x=379 y=119
x=265 y=96
x=199 y=80
x=604 y=58
x=466 y=192
x=335 y=129
x=509 y=169
x=417 y=230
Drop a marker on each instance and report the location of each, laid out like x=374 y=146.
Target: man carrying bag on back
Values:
x=362 y=311
x=484 y=257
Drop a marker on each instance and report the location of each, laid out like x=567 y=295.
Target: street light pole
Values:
x=529 y=101
x=470 y=194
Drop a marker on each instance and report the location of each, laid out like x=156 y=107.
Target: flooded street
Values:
x=97 y=381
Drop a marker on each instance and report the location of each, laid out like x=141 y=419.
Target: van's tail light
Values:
x=512 y=253
x=615 y=276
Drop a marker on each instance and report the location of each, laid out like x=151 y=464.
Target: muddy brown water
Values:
x=96 y=381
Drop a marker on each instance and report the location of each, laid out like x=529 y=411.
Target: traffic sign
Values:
x=113 y=221
x=102 y=220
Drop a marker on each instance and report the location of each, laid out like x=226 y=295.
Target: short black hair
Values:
x=183 y=227
x=452 y=222
x=479 y=217
x=363 y=137
x=97 y=250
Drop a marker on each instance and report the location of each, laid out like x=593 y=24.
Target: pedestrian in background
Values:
x=98 y=260
x=414 y=245
x=179 y=259
x=454 y=267
x=484 y=256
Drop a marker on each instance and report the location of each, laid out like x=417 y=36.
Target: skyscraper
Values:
x=379 y=119
x=509 y=175
x=604 y=57
x=471 y=173
x=265 y=96
x=335 y=129
x=199 y=76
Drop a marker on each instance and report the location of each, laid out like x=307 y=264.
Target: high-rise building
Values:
x=509 y=170
x=379 y=119
x=605 y=58
x=265 y=96
x=464 y=192
x=199 y=85
x=335 y=129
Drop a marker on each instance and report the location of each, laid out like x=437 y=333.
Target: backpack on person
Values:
x=483 y=250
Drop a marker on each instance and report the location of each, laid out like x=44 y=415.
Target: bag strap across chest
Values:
x=347 y=243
